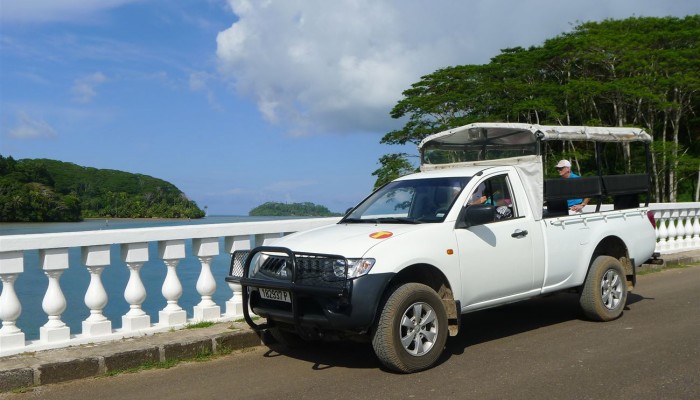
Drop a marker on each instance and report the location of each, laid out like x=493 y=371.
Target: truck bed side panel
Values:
x=572 y=240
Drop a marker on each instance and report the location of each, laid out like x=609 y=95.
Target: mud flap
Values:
x=631 y=279
x=454 y=315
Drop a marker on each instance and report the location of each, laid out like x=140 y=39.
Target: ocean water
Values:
x=31 y=285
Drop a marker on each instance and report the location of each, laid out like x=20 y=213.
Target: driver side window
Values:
x=495 y=192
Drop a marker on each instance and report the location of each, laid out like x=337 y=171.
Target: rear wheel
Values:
x=604 y=293
x=412 y=329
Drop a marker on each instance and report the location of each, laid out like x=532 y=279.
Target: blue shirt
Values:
x=572 y=202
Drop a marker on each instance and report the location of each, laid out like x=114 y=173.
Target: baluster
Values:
x=234 y=306
x=135 y=255
x=662 y=232
x=680 y=230
x=171 y=252
x=11 y=265
x=696 y=229
x=96 y=258
x=54 y=263
x=672 y=231
x=688 y=230
x=206 y=249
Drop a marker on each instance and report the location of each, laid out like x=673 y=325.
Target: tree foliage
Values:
x=306 y=209
x=44 y=190
x=634 y=72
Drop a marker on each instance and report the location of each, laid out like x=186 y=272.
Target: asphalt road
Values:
x=539 y=349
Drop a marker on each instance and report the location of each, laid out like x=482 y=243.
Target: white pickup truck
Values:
x=403 y=265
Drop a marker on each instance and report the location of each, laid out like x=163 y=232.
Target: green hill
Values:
x=42 y=190
x=274 y=209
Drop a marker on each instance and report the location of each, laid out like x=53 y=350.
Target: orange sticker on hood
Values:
x=380 y=235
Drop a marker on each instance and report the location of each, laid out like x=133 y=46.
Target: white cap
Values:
x=563 y=163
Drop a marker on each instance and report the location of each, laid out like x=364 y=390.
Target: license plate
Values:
x=274 y=294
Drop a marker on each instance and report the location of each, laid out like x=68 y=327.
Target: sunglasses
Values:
x=560 y=168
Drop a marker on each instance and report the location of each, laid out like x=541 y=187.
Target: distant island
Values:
x=274 y=209
x=43 y=190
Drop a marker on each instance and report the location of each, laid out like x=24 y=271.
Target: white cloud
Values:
x=340 y=66
x=199 y=82
x=84 y=88
x=55 y=10
x=31 y=128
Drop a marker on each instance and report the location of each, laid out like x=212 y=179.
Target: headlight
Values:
x=356 y=267
x=257 y=261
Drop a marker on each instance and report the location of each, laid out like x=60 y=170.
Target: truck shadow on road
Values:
x=476 y=328
x=513 y=319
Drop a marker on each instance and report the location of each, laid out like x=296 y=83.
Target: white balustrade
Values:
x=678 y=226
x=54 y=250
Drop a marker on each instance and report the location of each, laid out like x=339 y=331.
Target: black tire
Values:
x=411 y=330
x=604 y=293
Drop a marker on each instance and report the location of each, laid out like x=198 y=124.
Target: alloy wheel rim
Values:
x=418 y=329
x=611 y=289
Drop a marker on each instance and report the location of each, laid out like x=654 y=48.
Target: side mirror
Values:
x=478 y=214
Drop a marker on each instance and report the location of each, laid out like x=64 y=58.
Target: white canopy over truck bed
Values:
x=519 y=145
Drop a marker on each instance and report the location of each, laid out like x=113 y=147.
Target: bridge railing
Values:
x=94 y=251
x=678 y=229
x=677 y=226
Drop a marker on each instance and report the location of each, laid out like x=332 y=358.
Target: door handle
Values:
x=519 y=233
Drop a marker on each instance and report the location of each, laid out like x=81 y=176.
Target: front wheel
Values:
x=412 y=329
x=604 y=293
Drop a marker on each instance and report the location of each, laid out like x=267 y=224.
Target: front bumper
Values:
x=341 y=304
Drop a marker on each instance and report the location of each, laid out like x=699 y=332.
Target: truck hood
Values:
x=347 y=240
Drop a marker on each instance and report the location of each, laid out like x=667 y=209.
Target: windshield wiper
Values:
x=398 y=220
x=380 y=220
x=357 y=221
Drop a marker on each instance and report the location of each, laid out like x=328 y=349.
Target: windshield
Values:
x=409 y=201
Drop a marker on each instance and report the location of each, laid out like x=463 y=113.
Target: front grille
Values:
x=282 y=265
x=278 y=267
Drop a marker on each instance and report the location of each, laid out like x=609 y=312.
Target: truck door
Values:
x=496 y=258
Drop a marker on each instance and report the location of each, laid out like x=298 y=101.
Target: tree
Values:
x=49 y=190
x=275 y=209
x=638 y=71
x=392 y=166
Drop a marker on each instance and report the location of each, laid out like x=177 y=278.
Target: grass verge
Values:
x=198 y=325
x=649 y=270
x=203 y=356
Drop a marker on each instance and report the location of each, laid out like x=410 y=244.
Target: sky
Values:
x=240 y=102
